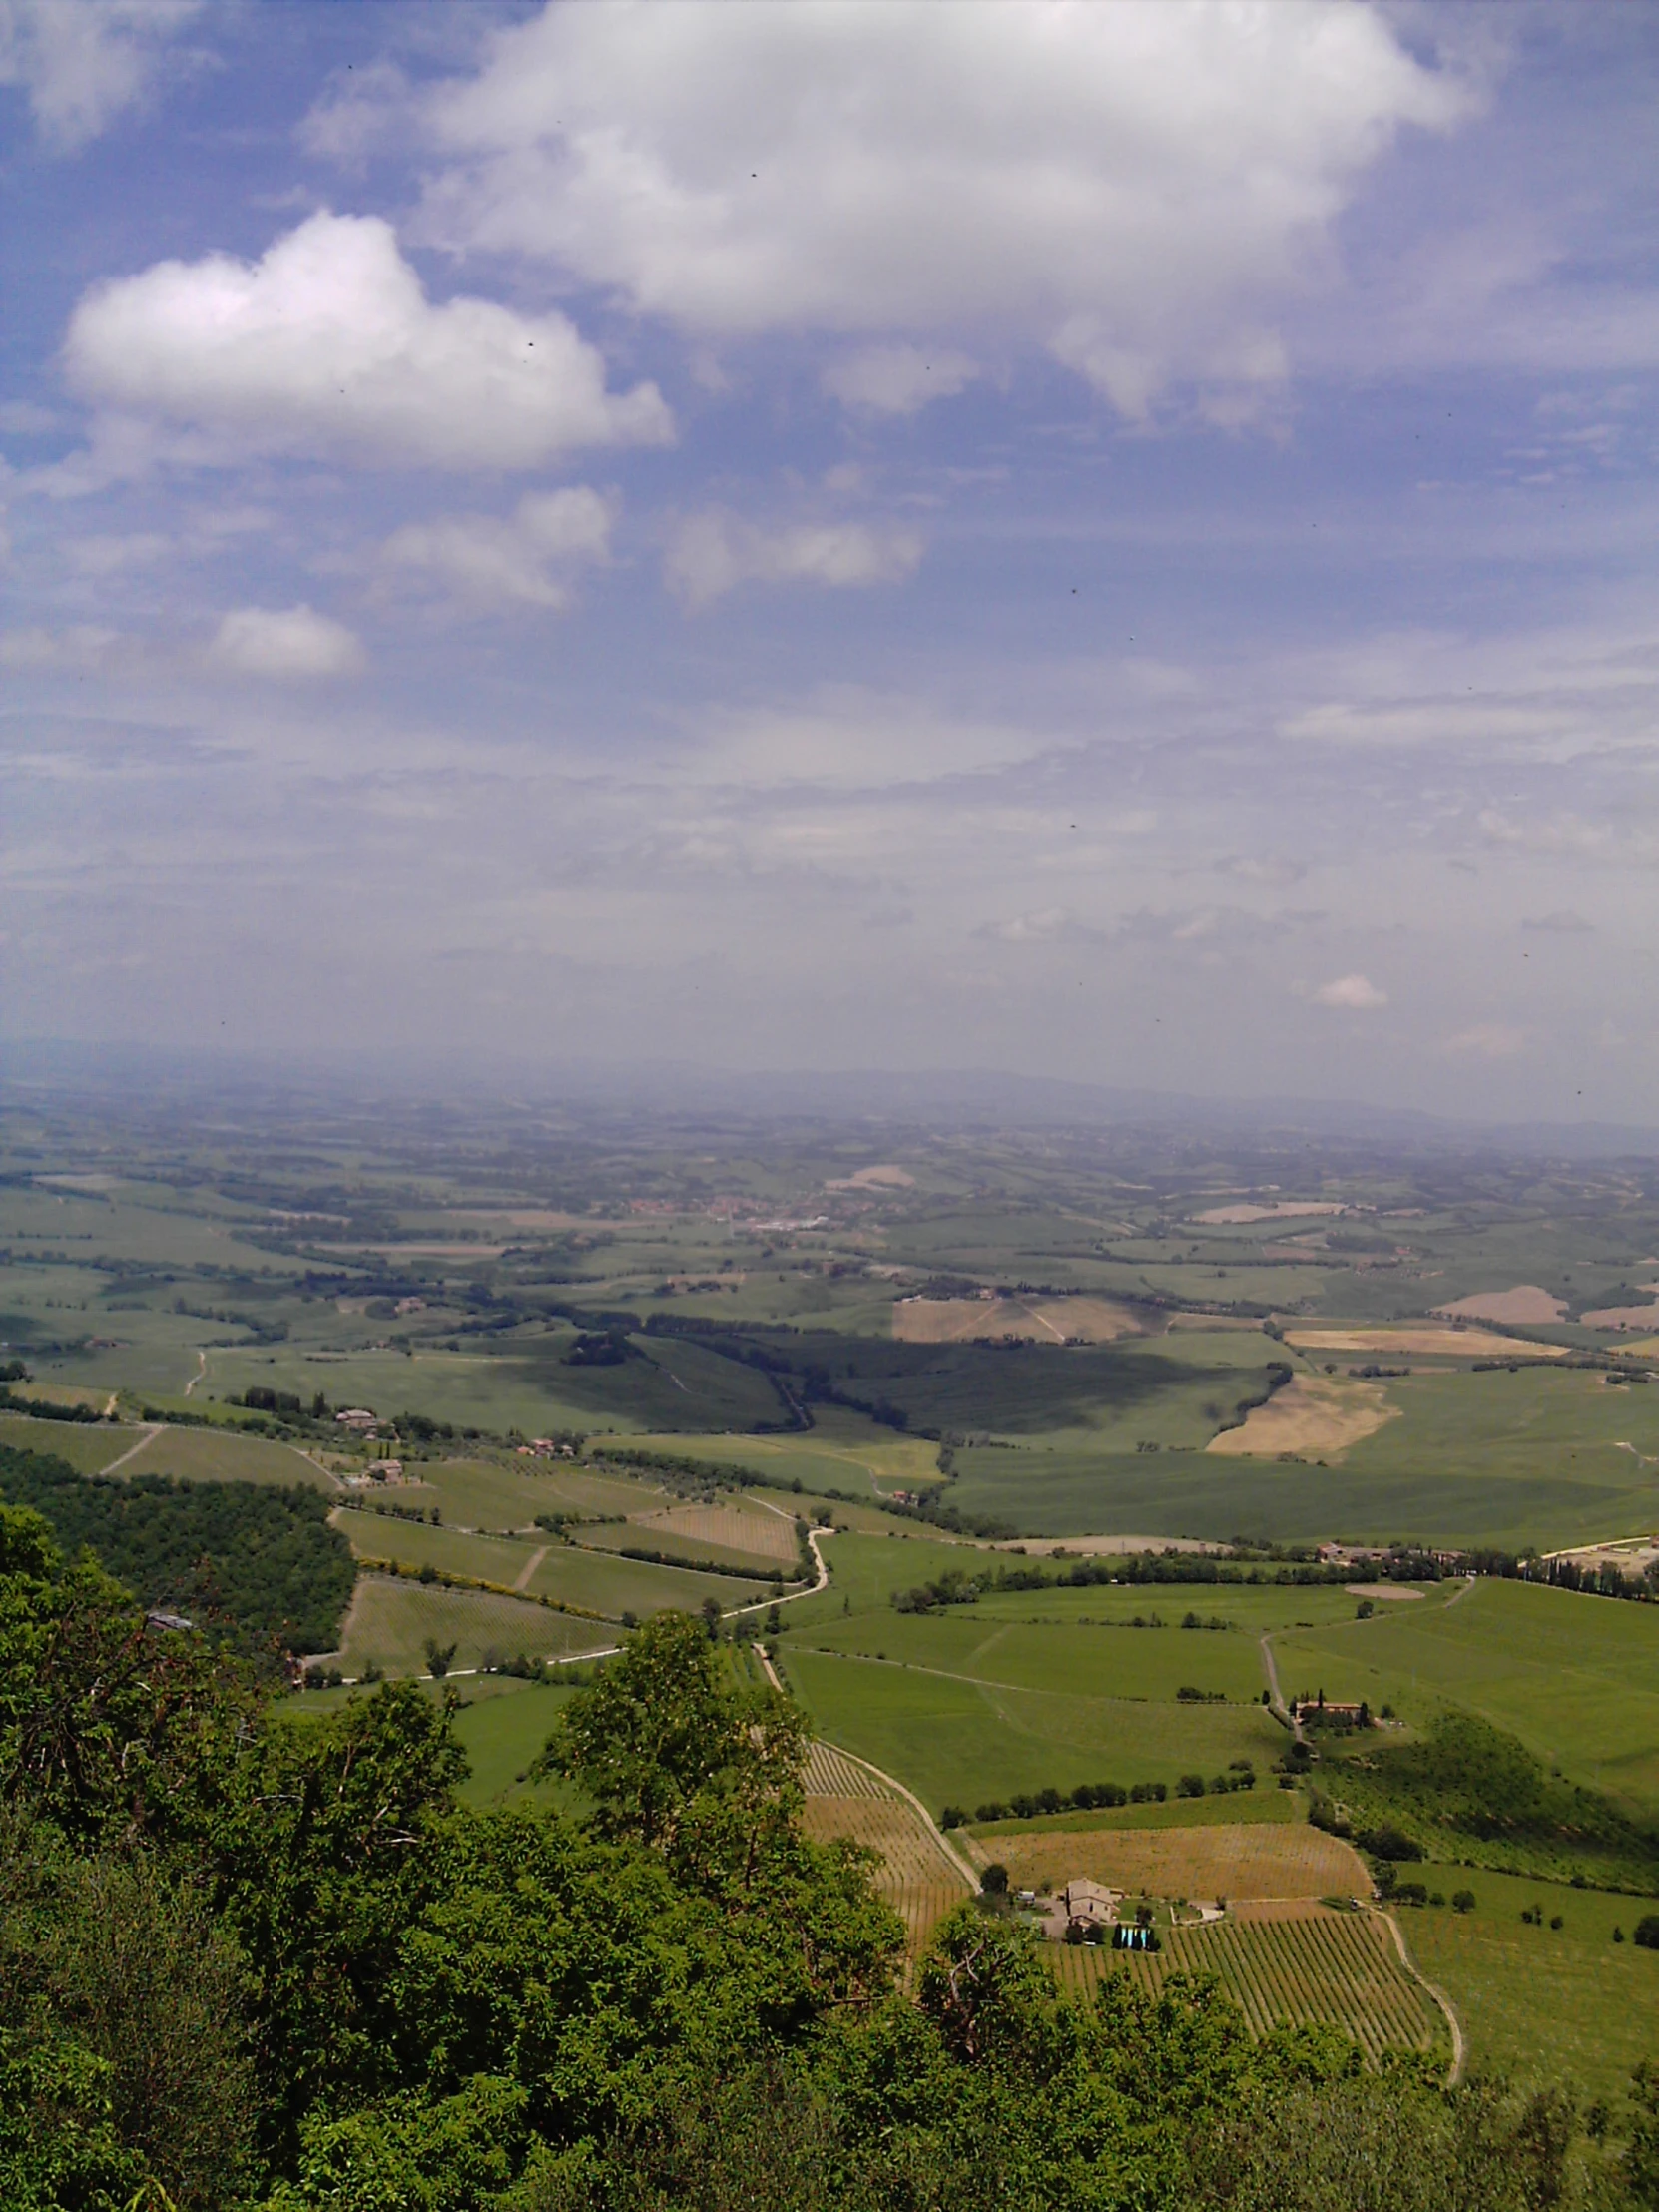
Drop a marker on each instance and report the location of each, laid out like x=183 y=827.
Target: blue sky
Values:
x=1115 y=542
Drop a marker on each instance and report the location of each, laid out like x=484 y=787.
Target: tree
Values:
x=663 y=1746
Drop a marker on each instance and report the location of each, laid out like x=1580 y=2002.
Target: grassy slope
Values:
x=391 y=1621
x=956 y=1742
x=1563 y=2007
x=1489 y=1458
x=87 y=1451
x=1576 y=1677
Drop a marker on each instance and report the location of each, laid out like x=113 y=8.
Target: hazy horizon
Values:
x=1109 y=545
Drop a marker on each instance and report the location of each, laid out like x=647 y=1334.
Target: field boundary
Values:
x=1459 y=2044
x=891 y=1782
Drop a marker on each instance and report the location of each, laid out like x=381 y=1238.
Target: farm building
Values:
x=1082 y=1910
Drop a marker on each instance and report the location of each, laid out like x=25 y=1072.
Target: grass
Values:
x=964 y=1742
x=1069 y=1488
x=842 y=1451
x=88 y=1450
x=389 y=1622
x=593 y=1581
x=1563 y=2007
x=213 y=1455
x=1091 y=1662
x=1576 y=1678
x=484 y=1493
x=1247 y=1807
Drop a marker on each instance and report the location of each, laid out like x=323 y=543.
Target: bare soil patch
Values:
x=1622 y=1317
x=1313 y=1413
x=1527 y=1302
x=875 y=1179
x=1445 y=1343
x=1055 y=1321
x=1385 y=1594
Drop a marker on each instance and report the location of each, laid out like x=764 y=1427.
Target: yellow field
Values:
x=1255 y=1860
x=761 y=1534
x=1445 y=1343
x=1054 y=1321
x=920 y=1881
x=1313 y=1413
x=1340 y=1969
x=1527 y=1302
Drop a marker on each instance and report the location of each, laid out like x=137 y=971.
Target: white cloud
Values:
x=711 y=553
x=106 y=554
x=283 y=643
x=899 y=379
x=1136 y=185
x=491 y=561
x=1357 y=993
x=328 y=345
x=80 y=64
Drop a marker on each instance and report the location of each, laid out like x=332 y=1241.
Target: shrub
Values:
x=1463 y=1900
x=1647 y=1931
x=1190 y=1785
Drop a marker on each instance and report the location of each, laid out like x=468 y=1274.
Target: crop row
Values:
x=1339 y=1970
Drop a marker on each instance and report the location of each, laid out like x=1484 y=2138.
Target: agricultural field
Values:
x=1576 y=1677
x=957 y=1741
x=1319 y=1967
x=920 y=1878
x=87 y=1449
x=391 y=1622
x=1241 y=1860
x=1563 y=2005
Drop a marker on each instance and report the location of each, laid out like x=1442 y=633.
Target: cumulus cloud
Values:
x=897 y=379
x=286 y=643
x=1356 y=993
x=328 y=345
x=712 y=553
x=1137 y=187
x=82 y=65
x=522 y=559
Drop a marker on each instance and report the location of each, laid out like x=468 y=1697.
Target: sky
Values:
x=1102 y=541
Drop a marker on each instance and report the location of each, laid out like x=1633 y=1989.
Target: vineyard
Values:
x=1251 y=1860
x=759 y=1534
x=1313 y=1965
x=919 y=1879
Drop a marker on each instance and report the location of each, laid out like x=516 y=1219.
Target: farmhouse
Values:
x=1330 y=1709
x=1082 y=1912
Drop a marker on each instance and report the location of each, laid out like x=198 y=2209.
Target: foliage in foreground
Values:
x=258 y=1960
x=258 y=1559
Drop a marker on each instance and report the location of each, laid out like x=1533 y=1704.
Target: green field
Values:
x=1250 y=1808
x=1562 y=2007
x=594 y=1580
x=389 y=1622
x=842 y=1451
x=1576 y=1678
x=87 y=1449
x=1116 y=1662
x=964 y=1742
